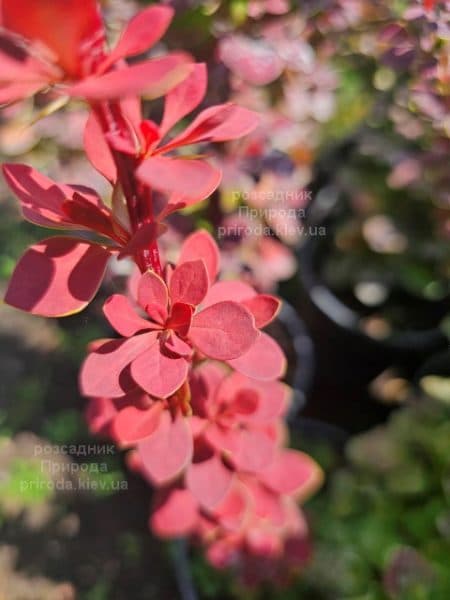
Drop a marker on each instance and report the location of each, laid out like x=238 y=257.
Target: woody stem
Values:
x=138 y=197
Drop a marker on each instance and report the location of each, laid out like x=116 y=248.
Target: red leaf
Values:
x=183 y=98
x=192 y=178
x=166 y=453
x=153 y=291
x=122 y=316
x=86 y=215
x=132 y=425
x=159 y=375
x=209 y=481
x=142 y=32
x=264 y=360
x=292 y=472
x=189 y=283
x=223 y=331
x=200 y=245
x=62 y=25
x=97 y=149
x=57 y=277
x=217 y=124
x=152 y=78
x=175 y=513
x=102 y=373
x=42 y=199
x=180 y=318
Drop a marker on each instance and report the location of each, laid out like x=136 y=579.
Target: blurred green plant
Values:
x=11 y=484
x=383 y=524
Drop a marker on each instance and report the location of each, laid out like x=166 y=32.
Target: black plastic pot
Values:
x=347 y=358
x=300 y=353
x=438 y=364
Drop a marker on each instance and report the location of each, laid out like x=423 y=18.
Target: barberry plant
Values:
x=191 y=385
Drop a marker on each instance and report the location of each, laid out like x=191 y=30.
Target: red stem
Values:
x=137 y=195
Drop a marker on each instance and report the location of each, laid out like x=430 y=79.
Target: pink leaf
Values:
x=221 y=554
x=175 y=513
x=219 y=123
x=189 y=283
x=266 y=504
x=197 y=425
x=223 y=439
x=255 y=451
x=204 y=381
x=132 y=425
x=193 y=178
x=102 y=373
x=152 y=78
x=245 y=402
x=263 y=307
x=153 y=291
x=166 y=453
x=237 y=291
x=200 y=245
x=175 y=345
x=143 y=31
x=57 y=277
x=264 y=542
x=292 y=472
x=208 y=480
x=99 y=414
x=233 y=508
x=159 y=375
x=264 y=360
x=97 y=149
x=273 y=397
x=223 y=331
x=186 y=96
x=122 y=316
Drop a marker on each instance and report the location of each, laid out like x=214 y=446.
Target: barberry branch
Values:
x=138 y=196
